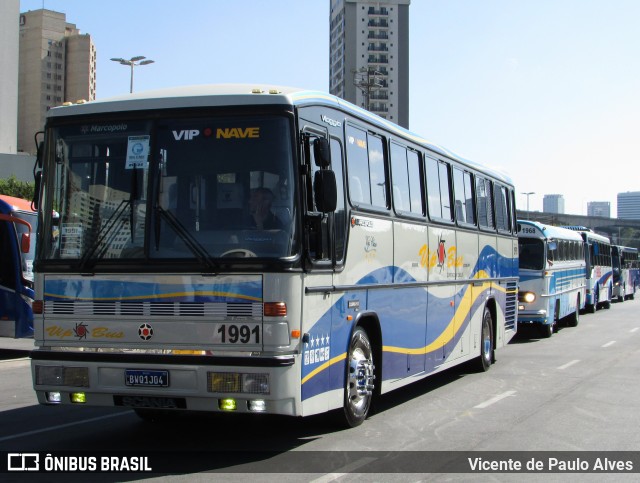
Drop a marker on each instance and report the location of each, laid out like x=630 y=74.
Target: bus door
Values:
x=464 y=257
x=319 y=262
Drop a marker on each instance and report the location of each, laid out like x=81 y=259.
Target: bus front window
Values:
x=187 y=189
x=224 y=189
x=531 y=254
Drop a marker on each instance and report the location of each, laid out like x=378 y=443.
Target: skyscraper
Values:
x=629 y=205
x=369 y=56
x=9 y=10
x=599 y=208
x=57 y=64
x=553 y=204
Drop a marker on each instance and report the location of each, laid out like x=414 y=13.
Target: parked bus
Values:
x=552 y=276
x=599 y=269
x=17 y=251
x=626 y=272
x=381 y=258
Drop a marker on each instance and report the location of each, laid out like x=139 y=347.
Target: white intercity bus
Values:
x=597 y=252
x=626 y=272
x=260 y=250
x=552 y=276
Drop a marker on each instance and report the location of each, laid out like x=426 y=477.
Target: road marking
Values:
x=634 y=330
x=569 y=364
x=494 y=400
x=608 y=344
x=345 y=470
x=61 y=426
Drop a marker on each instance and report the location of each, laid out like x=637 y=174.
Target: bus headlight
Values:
x=62 y=376
x=527 y=297
x=248 y=383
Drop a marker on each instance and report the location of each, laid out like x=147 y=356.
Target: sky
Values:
x=546 y=90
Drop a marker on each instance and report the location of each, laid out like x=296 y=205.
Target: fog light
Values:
x=227 y=404
x=54 y=397
x=258 y=405
x=78 y=397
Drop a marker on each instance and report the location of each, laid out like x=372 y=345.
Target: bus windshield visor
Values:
x=187 y=188
x=531 y=254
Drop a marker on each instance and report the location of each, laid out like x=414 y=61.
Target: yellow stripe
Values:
x=463 y=309
x=324 y=366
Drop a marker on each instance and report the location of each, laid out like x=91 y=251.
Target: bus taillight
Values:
x=37 y=307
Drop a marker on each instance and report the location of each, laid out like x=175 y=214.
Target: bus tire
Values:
x=486 y=342
x=593 y=307
x=359 y=384
x=607 y=304
x=546 y=330
x=574 y=318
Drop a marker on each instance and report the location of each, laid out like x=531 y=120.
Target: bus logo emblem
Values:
x=145 y=331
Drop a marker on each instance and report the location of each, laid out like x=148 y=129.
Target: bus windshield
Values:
x=531 y=252
x=176 y=188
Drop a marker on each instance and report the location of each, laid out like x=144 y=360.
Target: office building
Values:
x=57 y=64
x=629 y=205
x=553 y=204
x=9 y=15
x=599 y=208
x=369 y=56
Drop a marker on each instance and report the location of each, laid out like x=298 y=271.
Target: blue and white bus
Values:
x=626 y=272
x=599 y=269
x=552 y=276
x=17 y=250
x=385 y=258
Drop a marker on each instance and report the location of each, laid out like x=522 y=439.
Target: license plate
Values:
x=144 y=378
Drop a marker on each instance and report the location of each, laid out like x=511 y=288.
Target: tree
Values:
x=20 y=189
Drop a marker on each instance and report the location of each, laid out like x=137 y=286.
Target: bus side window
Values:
x=484 y=203
x=340 y=222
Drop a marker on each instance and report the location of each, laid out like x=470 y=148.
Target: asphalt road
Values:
x=575 y=392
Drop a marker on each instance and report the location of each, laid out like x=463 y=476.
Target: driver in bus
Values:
x=260 y=214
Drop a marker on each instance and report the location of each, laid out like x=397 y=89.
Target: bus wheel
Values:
x=574 y=318
x=592 y=308
x=607 y=304
x=486 y=342
x=546 y=330
x=359 y=379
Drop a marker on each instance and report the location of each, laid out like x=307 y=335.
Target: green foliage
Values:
x=13 y=187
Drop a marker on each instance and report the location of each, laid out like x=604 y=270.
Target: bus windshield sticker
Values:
x=137 y=152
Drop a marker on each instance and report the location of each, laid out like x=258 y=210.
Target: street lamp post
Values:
x=527 y=195
x=367 y=79
x=132 y=62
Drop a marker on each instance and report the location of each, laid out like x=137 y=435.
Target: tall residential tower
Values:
x=369 y=56
x=57 y=64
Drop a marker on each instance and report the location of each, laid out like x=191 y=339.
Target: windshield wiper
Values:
x=192 y=244
x=106 y=231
